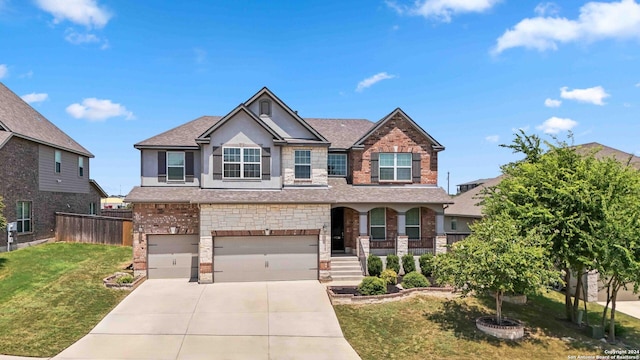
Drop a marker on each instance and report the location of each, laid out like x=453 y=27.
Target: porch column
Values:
x=205 y=256
x=402 y=223
x=440 y=243
x=364 y=221
x=402 y=241
x=439 y=223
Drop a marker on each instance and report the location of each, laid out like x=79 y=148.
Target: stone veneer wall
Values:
x=228 y=217
x=149 y=219
x=318 y=166
x=20 y=183
x=397 y=135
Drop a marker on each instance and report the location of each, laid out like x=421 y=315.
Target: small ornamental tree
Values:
x=496 y=258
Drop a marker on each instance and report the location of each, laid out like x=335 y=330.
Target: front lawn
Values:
x=434 y=328
x=51 y=295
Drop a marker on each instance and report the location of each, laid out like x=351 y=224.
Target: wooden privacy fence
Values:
x=93 y=229
x=117 y=213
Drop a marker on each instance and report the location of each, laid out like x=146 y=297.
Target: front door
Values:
x=337 y=230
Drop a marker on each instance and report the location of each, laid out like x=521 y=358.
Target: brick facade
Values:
x=351 y=227
x=21 y=183
x=396 y=135
x=149 y=219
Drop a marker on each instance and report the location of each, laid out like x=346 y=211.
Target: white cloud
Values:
x=81 y=12
x=368 y=82
x=555 y=125
x=597 y=21
x=492 y=138
x=442 y=10
x=593 y=95
x=201 y=55
x=77 y=38
x=547 y=9
x=27 y=75
x=93 y=109
x=4 y=70
x=552 y=103
x=35 y=97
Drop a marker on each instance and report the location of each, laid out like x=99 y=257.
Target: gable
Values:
x=241 y=128
x=396 y=121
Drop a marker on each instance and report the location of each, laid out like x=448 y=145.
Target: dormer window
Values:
x=265 y=107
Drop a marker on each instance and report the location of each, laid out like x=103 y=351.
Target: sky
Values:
x=111 y=73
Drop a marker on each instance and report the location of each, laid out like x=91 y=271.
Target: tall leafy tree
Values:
x=498 y=257
x=549 y=190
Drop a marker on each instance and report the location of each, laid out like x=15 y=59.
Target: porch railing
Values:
x=362 y=257
x=421 y=246
x=452 y=238
x=383 y=247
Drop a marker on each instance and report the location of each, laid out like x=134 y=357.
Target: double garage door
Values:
x=265 y=258
x=236 y=258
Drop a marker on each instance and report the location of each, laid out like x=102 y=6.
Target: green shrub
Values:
x=426 y=264
x=393 y=263
x=374 y=265
x=408 y=264
x=124 y=279
x=389 y=277
x=414 y=279
x=371 y=285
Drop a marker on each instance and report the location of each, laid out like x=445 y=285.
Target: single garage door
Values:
x=173 y=257
x=265 y=258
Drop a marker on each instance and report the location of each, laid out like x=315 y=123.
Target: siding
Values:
x=68 y=179
x=281 y=118
x=150 y=169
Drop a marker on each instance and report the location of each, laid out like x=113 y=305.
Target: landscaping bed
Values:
x=341 y=295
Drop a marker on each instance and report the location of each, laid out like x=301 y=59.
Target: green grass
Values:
x=434 y=328
x=51 y=295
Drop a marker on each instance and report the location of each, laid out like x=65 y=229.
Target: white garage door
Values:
x=173 y=256
x=265 y=258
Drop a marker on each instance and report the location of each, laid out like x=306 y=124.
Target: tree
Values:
x=497 y=257
x=618 y=235
x=551 y=191
x=3 y=221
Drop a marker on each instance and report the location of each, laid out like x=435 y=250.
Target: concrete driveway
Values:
x=174 y=319
x=631 y=308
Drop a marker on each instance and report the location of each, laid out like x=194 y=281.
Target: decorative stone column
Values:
x=205 y=254
x=139 y=253
x=364 y=221
x=591 y=282
x=402 y=245
x=440 y=223
x=325 y=255
x=441 y=244
x=363 y=248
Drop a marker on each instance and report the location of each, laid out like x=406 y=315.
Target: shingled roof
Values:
x=20 y=119
x=341 y=133
x=465 y=204
x=181 y=136
x=603 y=152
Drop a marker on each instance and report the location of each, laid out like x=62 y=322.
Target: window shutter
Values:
x=162 y=166
x=415 y=167
x=216 y=170
x=189 y=166
x=266 y=163
x=374 y=168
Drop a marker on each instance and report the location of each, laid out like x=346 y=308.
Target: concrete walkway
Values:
x=174 y=319
x=631 y=308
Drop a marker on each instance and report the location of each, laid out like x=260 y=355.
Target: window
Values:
x=302 y=164
x=378 y=224
x=454 y=224
x=337 y=164
x=80 y=166
x=92 y=208
x=265 y=107
x=395 y=166
x=23 y=214
x=412 y=224
x=58 y=160
x=175 y=166
x=242 y=163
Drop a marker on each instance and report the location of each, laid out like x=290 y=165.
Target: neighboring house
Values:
x=466 y=209
x=113 y=202
x=470 y=185
x=263 y=194
x=42 y=171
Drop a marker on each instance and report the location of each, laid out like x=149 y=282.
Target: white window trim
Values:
x=57 y=159
x=184 y=165
x=22 y=219
x=395 y=168
x=296 y=164
x=80 y=166
x=419 y=226
x=242 y=163
x=346 y=164
x=371 y=226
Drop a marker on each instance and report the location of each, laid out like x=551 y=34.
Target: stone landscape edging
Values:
x=345 y=299
x=125 y=286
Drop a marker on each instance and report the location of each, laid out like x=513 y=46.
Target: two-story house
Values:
x=42 y=171
x=264 y=194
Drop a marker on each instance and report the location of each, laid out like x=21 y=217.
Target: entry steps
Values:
x=346 y=268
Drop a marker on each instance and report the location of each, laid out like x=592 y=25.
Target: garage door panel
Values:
x=265 y=258
x=172 y=256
